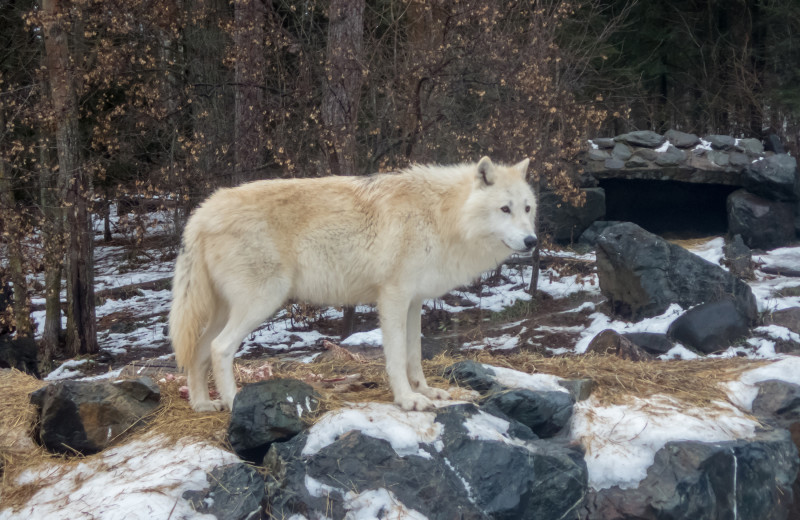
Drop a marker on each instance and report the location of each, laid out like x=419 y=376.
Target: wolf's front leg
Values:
x=414 y=354
x=393 y=311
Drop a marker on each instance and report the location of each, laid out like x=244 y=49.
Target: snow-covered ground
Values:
x=145 y=478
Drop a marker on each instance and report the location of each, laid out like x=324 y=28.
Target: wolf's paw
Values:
x=414 y=401
x=436 y=394
x=208 y=406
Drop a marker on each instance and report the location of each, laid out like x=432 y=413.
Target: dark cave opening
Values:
x=671 y=209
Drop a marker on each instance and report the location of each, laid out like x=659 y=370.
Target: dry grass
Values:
x=342 y=379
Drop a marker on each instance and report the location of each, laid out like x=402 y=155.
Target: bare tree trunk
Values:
x=53 y=242
x=11 y=221
x=345 y=76
x=81 y=326
x=249 y=20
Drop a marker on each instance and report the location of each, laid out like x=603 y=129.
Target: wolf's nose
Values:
x=530 y=242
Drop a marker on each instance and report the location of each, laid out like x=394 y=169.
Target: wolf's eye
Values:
x=527 y=209
x=505 y=209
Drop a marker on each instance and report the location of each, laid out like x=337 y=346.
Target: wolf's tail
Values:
x=192 y=298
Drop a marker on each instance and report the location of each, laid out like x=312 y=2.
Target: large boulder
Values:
x=235 y=492
x=19 y=353
x=775 y=177
x=565 y=222
x=545 y=412
x=710 y=327
x=270 y=411
x=682 y=139
x=85 y=417
x=475 y=469
x=641 y=274
x=744 y=479
x=644 y=138
x=762 y=223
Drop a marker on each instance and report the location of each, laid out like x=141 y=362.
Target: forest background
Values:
x=157 y=103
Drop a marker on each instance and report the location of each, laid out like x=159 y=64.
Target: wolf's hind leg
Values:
x=245 y=315
x=414 y=355
x=197 y=371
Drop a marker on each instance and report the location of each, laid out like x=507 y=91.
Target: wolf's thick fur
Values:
x=392 y=239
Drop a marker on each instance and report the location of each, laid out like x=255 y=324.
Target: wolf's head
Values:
x=501 y=209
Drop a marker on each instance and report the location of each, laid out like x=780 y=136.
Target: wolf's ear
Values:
x=486 y=171
x=522 y=167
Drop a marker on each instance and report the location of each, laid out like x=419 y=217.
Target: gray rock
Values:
x=721 y=142
x=773 y=144
x=614 y=164
x=744 y=479
x=652 y=342
x=637 y=161
x=611 y=343
x=762 y=223
x=750 y=146
x=644 y=138
x=738 y=159
x=641 y=274
x=471 y=374
x=593 y=231
x=622 y=152
x=19 y=353
x=682 y=139
x=269 y=411
x=604 y=142
x=236 y=492
x=775 y=177
x=545 y=413
x=86 y=417
x=671 y=157
x=789 y=318
x=646 y=154
x=738 y=258
x=710 y=327
x=778 y=401
x=565 y=222
x=718 y=157
x=597 y=155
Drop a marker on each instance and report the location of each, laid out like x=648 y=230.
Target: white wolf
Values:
x=393 y=239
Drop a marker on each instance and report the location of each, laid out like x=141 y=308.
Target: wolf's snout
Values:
x=530 y=242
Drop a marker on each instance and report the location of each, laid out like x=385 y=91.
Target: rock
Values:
x=545 y=413
x=614 y=164
x=681 y=139
x=19 y=353
x=773 y=144
x=565 y=222
x=646 y=154
x=710 y=327
x=718 y=157
x=471 y=374
x=604 y=142
x=637 y=161
x=610 y=343
x=789 y=318
x=236 y=492
x=775 y=178
x=779 y=401
x=622 y=152
x=671 y=157
x=651 y=342
x=593 y=231
x=749 y=479
x=86 y=417
x=597 y=155
x=644 y=138
x=579 y=389
x=641 y=274
x=750 y=146
x=721 y=142
x=738 y=258
x=479 y=478
x=269 y=411
x=738 y=159
x=762 y=223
